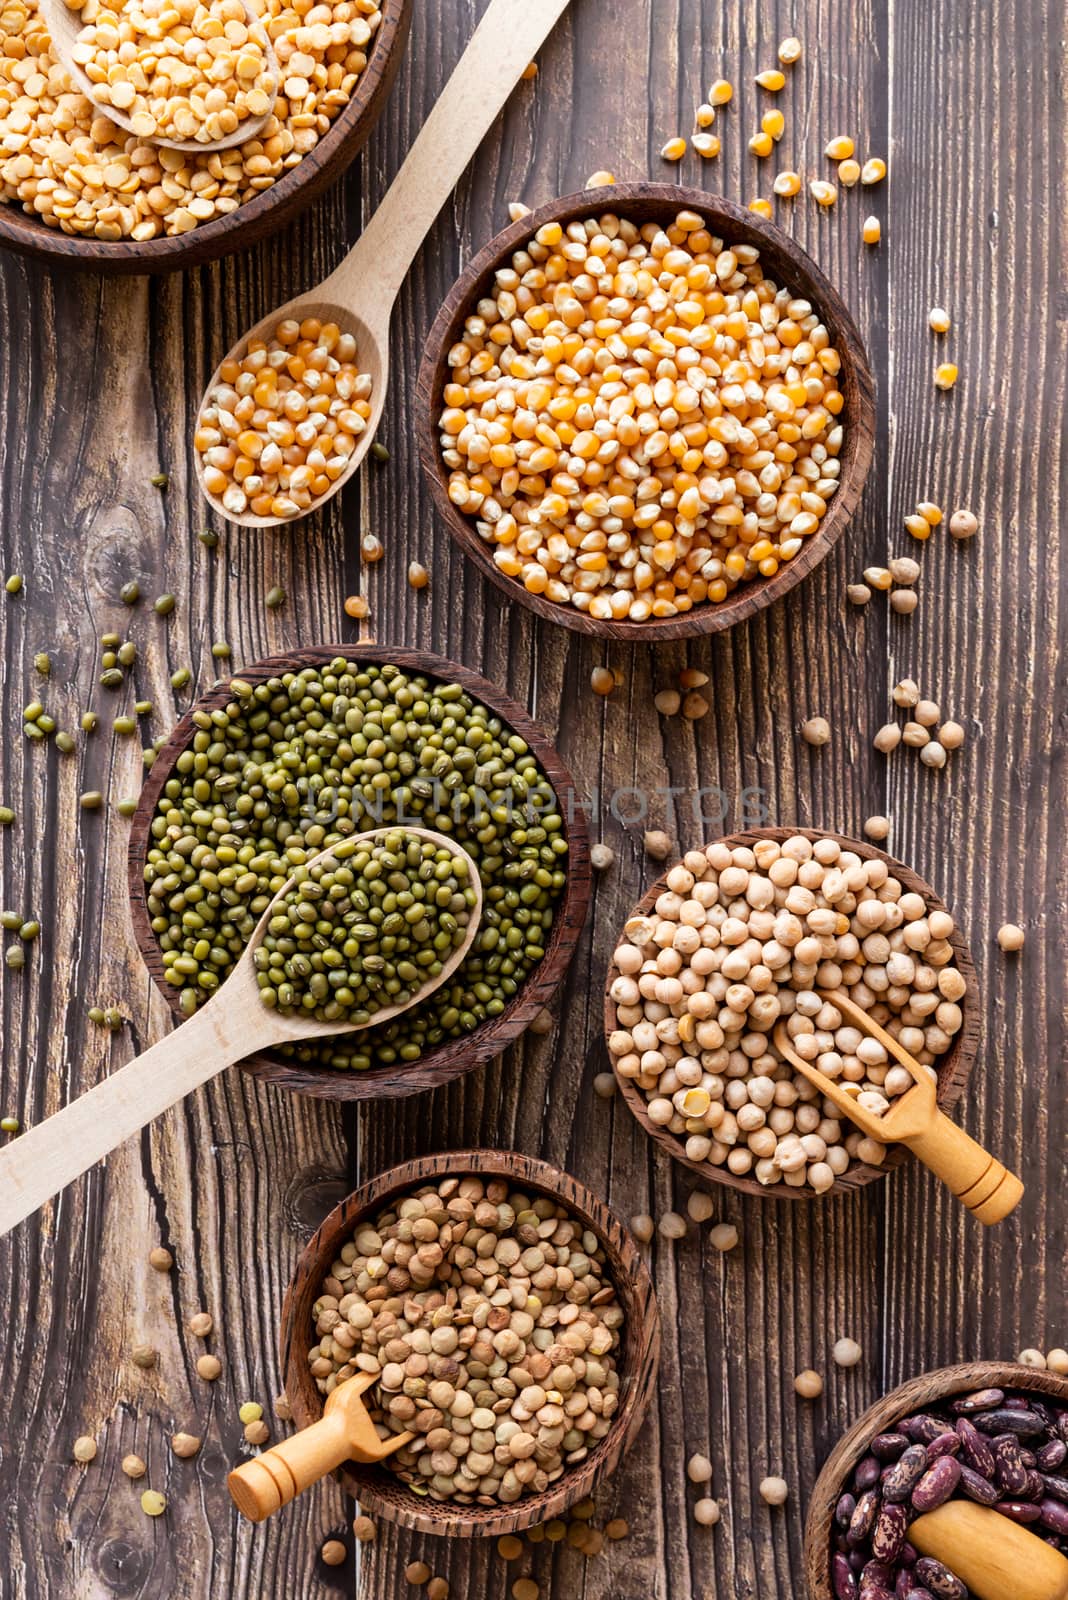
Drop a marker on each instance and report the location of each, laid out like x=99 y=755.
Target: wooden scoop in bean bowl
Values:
x=977 y=1178
x=362 y=932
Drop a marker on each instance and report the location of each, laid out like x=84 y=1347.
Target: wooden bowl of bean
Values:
x=634 y=1358
x=596 y=568
x=970 y=1391
x=656 y=1104
x=205 y=236
x=236 y=788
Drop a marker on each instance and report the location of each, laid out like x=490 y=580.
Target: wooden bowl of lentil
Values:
x=379 y=1491
x=916 y=1395
x=490 y=1036
x=954 y=1067
x=255 y=219
x=784 y=261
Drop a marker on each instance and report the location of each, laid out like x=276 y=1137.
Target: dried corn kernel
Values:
x=839 y=149
x=760 y=206
x=674 y=150
x=945 y=375
x=705 y=115
x=773 y=122
x=918 y=526
x=720 y=92
x=872 y=230
x=706 y=144
x=938 y=320
x=824 y=194
x=772 y=80
x=787 y=183
x=873 y=170
x=930 y=512
x=790 y=51
x=600 y=180
x=848 y=173
x=761 y=144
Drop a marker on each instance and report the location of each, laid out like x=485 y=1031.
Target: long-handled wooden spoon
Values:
x=359 y=294
x=64 y=26
x=995 y=1557
x=977 y=1178
x=233 y=1024
x=345 y=1432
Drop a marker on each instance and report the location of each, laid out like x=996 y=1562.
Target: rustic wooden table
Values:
x=98 y=379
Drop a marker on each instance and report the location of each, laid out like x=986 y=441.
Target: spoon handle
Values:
x=42 y=1161
x=978 y=1179
x=505 y=40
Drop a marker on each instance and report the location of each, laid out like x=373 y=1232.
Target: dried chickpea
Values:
x=817 y=731
x=877 y=828
x=846 y=1353
x=84 y=1449
x=774 y=1491
x=1011 y=937
x=699 y=1469
x=963 y=524
x=160 y=1259
x=706 y=1513
x=724 y=1237
x=809 y=1384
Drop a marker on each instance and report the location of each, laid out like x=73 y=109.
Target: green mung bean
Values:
x=9 y=1124
x=379 y=451
x=126 y=808
x=110 y=641
x=7 y=816
x=208 y=538
x=45 y=723
x=113 y=1018
x=31 y=712
x=43 y=662
x=65 y=742
x=108 y=660
x=148 y=758
x=96 y=1015
x=275 y=597
x=143 y=708
x=89 y=721
x=112 y=678
x=15 y=957
x=159 y=480
x=130 y=592
x=364 y=927
x=14 y=583
x=124 y=725
x=11 y=921
x=91 y=800
x=32 y=731
x=221 y=650
x=29 y=930
x=127 y=653
x=163 y=605
x=318 y=754
x=180 y=678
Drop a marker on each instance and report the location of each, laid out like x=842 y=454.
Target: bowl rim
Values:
x=858 y=447
x=255 y=219
x=634 y=1287
x=953 y=1074
x=907 y=1397
x=489 y=1038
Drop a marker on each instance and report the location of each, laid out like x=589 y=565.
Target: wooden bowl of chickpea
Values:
x=716 y=1096
x=657 y=467
x=153 y=210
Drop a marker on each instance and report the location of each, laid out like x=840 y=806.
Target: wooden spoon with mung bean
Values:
x=290 y=986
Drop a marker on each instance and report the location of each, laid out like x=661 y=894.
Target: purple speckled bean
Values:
x=1036 y=1487
x=922 y=1428
x=900 y=1479
x=1009 y=1470
x=1054 y=1516
x=888 y=1446
x=978 y=1488
x=888 y=1535
x=1008 y=1420
x=945 y=1585
x=919 y=1594
x=844 y=1510
x=978 y=1400
x=1052 y=1455
x=1056 y=1488
x=974 y=1448
x=1024 y=1511
x=863 y=1519
x=903 y=1584
x=877 y=1571
x=875 y=1591
x=937 y=1485
x=867 y=1474
x=843 y=1579
x=947 y=1444
x=909 y=1555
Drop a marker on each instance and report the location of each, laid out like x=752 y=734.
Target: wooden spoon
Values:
x=345 y=1432
x=987 y=1188
x=996 y=1557
x=234 y=1023
x=359 y=294
x=64 y=26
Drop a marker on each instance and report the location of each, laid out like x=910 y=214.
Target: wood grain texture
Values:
x=489 y=1038
x=783 y=261
x=98 y=380
x=382 y=1494
x=954 y=1068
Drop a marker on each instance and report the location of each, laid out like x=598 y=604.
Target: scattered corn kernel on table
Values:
x=99 y=380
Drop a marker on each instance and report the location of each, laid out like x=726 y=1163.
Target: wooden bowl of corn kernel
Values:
x=103 y=244
x=544 y=493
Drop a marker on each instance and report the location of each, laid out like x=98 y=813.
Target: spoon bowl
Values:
x=234 y=1023
x=64 y=28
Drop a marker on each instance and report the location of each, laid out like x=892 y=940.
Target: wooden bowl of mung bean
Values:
x=595 y=570
x=237 y=787
x=380 y=1491
x=930 y=1391
x=204 y=236
x=953 y=1063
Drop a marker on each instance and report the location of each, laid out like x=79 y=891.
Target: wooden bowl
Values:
x=911 y=1397
x=259 y=217
x=954 y=1068
x=457 y=1056
x=784 y=261
x=382 y=1493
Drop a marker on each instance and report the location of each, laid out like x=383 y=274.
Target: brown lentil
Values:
x=153 y=1504
x=364 y=1529
x=333 y=1553
x=817 y=731
x=257 y=1433
x=185 y=1445
x=434 y=1338
x=160 y=1259
x=618 y=1528
x=437 y=1589
x=509 y=1548
x=144 y=1355
x=84 y=1449
x=417 y=1572
x=201 y=1324
x=209 y=1368
x=133 y=1466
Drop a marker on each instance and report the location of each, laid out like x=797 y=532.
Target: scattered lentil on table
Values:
x=296 y=763
x=643 y=463
x=743 y=938
x=495 y=1343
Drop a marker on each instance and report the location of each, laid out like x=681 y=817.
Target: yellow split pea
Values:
x=281 y=423
x=177 y=69
x=639 y=420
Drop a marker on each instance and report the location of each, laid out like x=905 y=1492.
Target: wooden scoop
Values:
x=996 y=1557
x=359 y=294
x=234 y=1023
x=64 y=26
x=987 y=1188
x=345 y=1432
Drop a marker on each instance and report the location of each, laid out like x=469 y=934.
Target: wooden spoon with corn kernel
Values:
x=358 y=296
x=233 y=1024
x=65 y=24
